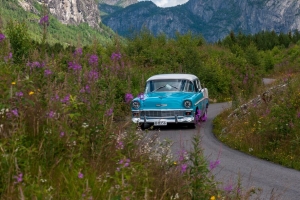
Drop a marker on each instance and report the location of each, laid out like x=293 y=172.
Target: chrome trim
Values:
x=179 y=120
x=184 y=109
x=200 y=101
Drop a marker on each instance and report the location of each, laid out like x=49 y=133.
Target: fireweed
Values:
x=2 y=37
x=44 y=20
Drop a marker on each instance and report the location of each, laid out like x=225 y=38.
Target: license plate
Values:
x=160 y=123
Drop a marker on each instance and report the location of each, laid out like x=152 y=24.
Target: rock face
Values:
x=214 y=19
x=70 y=11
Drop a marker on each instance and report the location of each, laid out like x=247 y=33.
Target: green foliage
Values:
x=201 y=186
x=19 y=40
x=268 y=61
x=252 y=56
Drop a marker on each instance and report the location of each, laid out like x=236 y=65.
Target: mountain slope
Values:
x=214 y=19
x=74 y=33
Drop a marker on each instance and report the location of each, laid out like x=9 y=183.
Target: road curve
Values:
x=275 y=181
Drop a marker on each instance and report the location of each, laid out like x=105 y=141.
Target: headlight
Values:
x=136 y=105
x=187 y=104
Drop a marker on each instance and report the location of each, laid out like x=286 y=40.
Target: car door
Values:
x=200 y=96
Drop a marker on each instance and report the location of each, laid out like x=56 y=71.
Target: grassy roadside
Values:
x=269 y=129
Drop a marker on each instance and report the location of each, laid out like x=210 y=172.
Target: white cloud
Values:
x=168 y=3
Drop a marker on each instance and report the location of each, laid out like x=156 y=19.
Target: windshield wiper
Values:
x=159 y=88
x=165 y=86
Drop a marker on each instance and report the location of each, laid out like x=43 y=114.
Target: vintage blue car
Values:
x=171 y=98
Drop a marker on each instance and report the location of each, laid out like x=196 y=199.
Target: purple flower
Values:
x=55 y=98
x=298 y=114
x=19 y=94
x=15 y=112
x=125 y=162
x=183 y=167
x=85 y=89
x=80 y=175
x=213 y=164
x=2 y=37
x=47 y=72
x=78 y=52
x=128 y=97
x=74 y=66
x=109 y=112
x=228 y=188
x=102 y=102
x=44 y=20
x=19 y=178
x=115 y=56
x=141 y=96
x=93 y=75
x=119 y=145
x=7 y=58
x=198 y=117
x=93 y=60
x=62 y=134
x=182 y=155
x=35 y=64
x=66 y=99
x=51 y=114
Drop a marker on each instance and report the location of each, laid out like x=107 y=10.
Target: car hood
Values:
x=165 y=100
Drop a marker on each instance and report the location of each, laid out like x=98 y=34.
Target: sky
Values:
x=168 y=3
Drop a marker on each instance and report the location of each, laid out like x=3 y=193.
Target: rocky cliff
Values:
x=214 y=19
x=69 y=11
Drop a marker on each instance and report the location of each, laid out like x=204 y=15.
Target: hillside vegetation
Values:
x=56 y=32
x=62 y=110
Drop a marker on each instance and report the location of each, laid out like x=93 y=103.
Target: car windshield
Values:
x=169 y=85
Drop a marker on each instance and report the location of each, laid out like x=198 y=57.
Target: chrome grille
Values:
x=164 y=113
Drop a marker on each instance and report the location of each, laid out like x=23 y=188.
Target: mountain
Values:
x=106 y=9
x=67 y=11
x=213 y=19
x=120 y=3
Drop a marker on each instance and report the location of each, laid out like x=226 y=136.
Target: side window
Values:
x=196 y=85
x=189 y=86
x=199 y=84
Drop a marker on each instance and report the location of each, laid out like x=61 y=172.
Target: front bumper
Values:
x=138 y=118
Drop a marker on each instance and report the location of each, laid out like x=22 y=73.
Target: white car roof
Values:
x=190 y=77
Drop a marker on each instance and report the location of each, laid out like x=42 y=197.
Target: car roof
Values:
x=190 y=77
